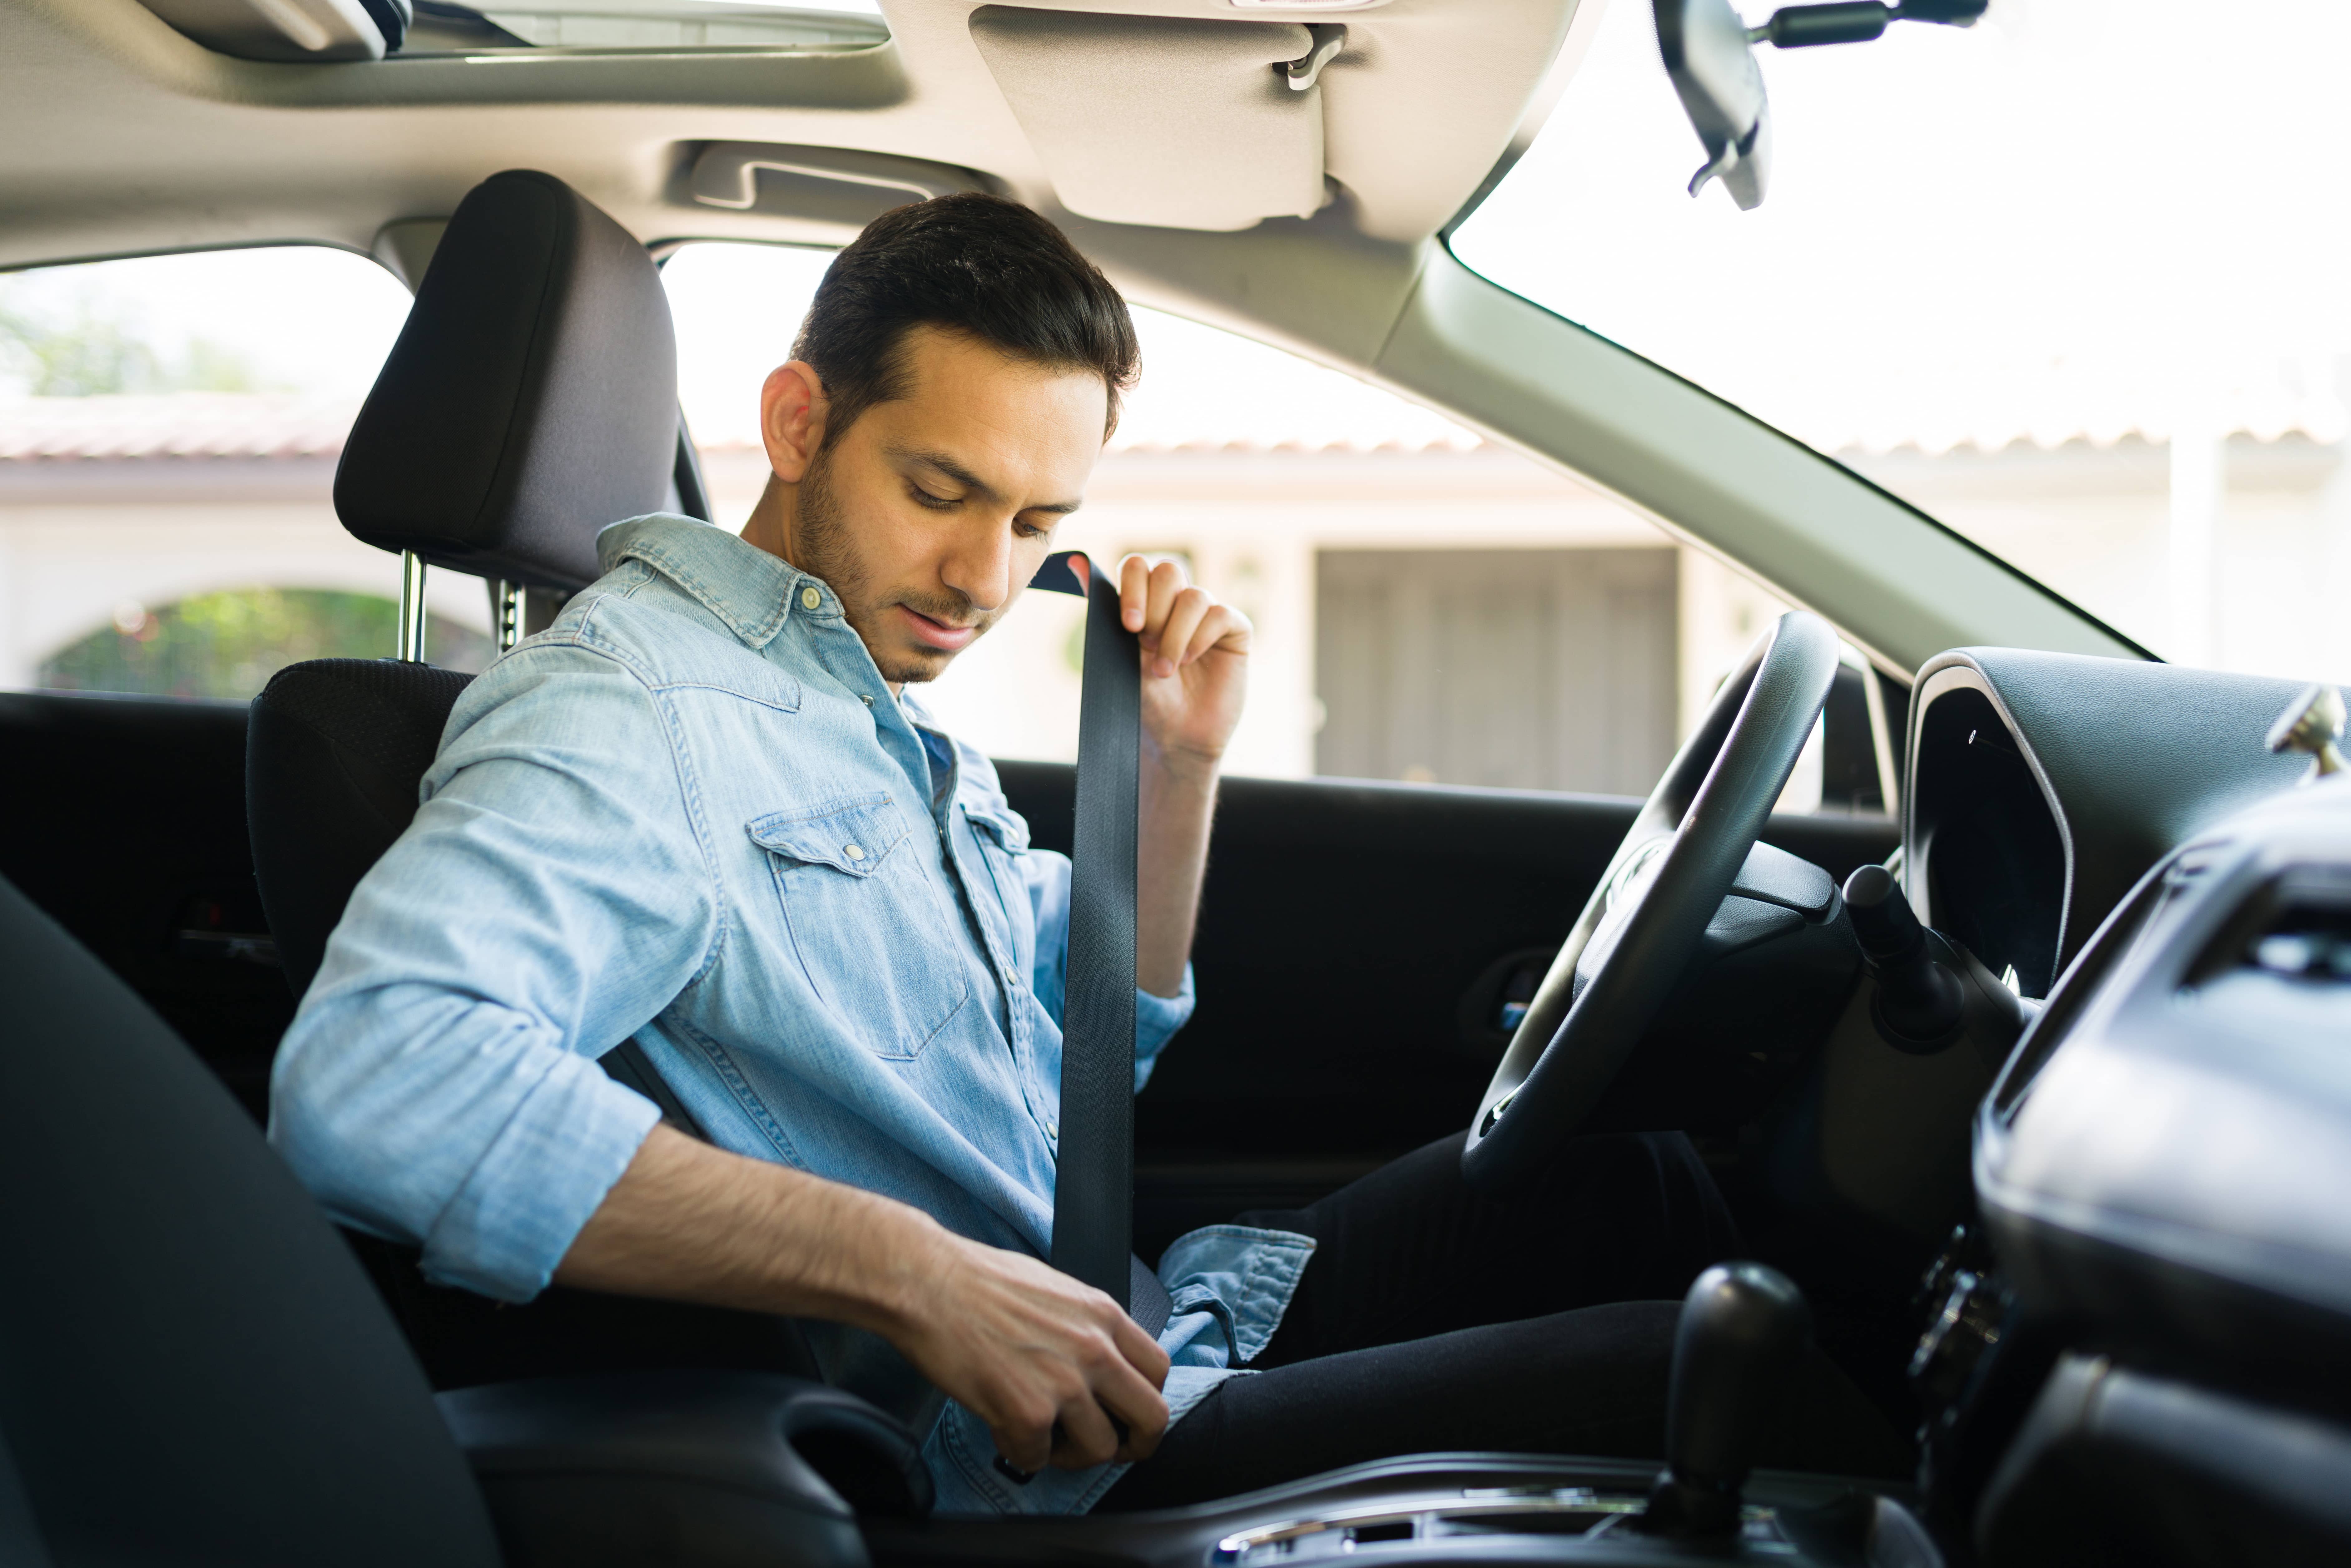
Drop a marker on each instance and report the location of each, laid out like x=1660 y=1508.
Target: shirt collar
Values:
x=752 y=591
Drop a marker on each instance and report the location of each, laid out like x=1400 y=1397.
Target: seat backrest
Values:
x=530 y=402
x=334 y=751
x=193 y=1368
x=531 y=399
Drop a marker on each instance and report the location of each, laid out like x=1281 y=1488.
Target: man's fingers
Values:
x=1134 y=592
x=1166 y=585
x=1185 y=615
x=1140 y=1350
x=1027 y=1444
x=1137 y=1406
x=1145 y=593
x=1084 y=1436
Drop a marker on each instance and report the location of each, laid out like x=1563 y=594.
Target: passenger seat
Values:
x=531 y=401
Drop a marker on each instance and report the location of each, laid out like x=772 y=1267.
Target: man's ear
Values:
x=791 y=419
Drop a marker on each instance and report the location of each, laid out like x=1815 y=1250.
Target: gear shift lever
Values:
x=1742 y=1327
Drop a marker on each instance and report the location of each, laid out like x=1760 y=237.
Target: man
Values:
x=700 y=811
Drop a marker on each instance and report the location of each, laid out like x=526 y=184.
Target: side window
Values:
x=1429 y=608
x=169 y=431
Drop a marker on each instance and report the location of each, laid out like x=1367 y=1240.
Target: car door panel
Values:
x=123 y=819
x=1343 y=927
x=1352 y=940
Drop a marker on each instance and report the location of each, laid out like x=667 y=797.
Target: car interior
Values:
x=2021 y=1090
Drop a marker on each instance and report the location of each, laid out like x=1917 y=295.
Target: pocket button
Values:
x=855 y=852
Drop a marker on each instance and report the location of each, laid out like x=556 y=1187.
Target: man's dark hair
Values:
x=978 y=265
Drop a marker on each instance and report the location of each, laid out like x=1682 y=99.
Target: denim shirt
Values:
x=690 y=812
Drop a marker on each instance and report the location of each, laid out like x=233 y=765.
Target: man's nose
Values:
x=980 y=568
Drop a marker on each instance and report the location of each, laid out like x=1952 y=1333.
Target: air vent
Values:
x=2305 y=941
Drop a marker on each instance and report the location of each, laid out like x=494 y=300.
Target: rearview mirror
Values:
x=1712 y=64
x=1710 y=55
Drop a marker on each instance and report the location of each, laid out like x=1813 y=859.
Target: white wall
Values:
x=65 y=565
x=1251 y=523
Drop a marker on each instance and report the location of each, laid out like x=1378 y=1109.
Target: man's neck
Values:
x=770 y=524
x=770 y=528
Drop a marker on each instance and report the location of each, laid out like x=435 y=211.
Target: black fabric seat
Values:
x=193 y=1369
x=531 y=401
x=335 y=749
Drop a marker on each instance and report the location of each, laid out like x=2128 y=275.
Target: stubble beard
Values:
x=822 y=549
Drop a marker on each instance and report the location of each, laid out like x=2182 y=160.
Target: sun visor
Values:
x=1162 y=120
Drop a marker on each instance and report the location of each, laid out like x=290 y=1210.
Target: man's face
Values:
x=932 y=511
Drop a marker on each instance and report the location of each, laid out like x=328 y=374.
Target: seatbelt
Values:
x=1094 y=1182
x=1093 y=1172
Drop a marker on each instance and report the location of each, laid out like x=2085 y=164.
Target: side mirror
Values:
x=1712 y=64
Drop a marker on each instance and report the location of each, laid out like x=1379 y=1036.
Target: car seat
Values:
x=193 y=1368
x=531 y=401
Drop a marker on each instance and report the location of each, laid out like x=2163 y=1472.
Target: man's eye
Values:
x=924 y=498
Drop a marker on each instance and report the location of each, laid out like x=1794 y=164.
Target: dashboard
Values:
x=2140 y=1348
x=2044 y=785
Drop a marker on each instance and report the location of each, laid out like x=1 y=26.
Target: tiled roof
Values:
x=173 y=424
x=2055 y=410
x=264 y=426
x=2102 y=401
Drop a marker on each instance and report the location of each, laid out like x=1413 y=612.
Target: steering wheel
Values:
x=1665 y=882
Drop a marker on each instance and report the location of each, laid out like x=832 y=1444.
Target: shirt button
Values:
x=853 y=851
x=810 y=598
x=866 y=700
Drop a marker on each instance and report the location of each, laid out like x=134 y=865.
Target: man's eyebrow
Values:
x=971 y=481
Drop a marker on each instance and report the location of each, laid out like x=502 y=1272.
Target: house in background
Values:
x=1430 y=607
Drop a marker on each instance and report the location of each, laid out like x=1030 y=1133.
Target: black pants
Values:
x=1540 y=1322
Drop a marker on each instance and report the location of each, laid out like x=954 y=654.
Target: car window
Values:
x=1428 y=608
x=169 y=430
x=2069 y=280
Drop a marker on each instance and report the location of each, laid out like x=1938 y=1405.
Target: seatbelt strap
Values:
x=627 y=1063
x=1093 y=1184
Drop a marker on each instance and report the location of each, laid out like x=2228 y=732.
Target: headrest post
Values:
x=506 y=613
x=411 y=609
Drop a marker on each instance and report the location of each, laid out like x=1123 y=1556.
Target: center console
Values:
x=1742 y=1327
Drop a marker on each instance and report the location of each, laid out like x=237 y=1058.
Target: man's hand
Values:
x=1194 y=661
x=1047 y=1362
x=1194 y=679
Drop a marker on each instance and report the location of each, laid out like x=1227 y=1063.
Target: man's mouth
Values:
x=936 y=634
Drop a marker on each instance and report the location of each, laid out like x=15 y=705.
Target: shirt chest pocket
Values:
x=870 y=925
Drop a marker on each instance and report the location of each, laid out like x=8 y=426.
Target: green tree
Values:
x=82 y=349
x=228 y=644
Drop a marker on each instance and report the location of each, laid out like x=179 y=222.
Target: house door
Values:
x=1537 y=669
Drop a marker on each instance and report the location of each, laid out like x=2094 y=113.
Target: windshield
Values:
x=2073 y=281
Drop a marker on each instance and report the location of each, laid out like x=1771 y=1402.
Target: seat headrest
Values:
x=530 y=400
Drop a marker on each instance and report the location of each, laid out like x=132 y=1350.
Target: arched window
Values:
x=228 y=643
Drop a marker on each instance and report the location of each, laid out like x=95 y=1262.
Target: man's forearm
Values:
x=690 y=1222
x=1057 y=1371
x=1177 y=800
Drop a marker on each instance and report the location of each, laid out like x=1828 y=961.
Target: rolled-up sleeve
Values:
x=439 y=1083
x=1156 y=1017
